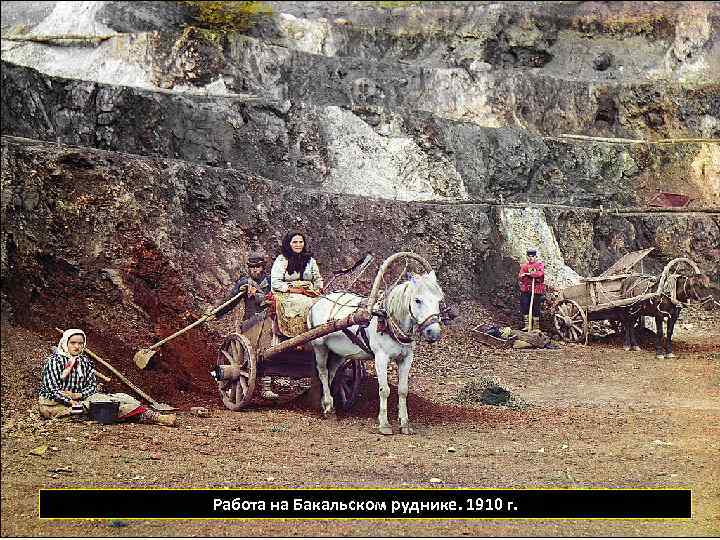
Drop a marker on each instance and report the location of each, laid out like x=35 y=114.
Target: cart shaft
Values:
x=360 y=317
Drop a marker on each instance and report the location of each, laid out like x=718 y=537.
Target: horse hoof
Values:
x=660 y=356
x=385 y=430
x=636 y=348
x=626 y=348
x=407 y=430
x=330 y=415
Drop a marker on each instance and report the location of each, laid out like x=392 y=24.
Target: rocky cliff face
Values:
x=408 y=155
x=132 y=248
x=142 y=157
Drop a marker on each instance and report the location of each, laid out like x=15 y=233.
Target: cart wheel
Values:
x=345 y=386
x=236 y=351
x=571 y=321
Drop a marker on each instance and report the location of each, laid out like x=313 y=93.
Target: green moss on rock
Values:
x=227 y=16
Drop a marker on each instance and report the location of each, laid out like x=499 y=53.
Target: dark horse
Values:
x=685 y=289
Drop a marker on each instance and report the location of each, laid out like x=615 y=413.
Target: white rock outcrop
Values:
x=523 y=228
x=363 y=162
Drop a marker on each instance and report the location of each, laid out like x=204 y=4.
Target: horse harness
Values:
x=670 y=293
x=388 y=325
x=360 y=338
x=708 y=298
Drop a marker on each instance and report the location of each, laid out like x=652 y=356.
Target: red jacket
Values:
x=537 y=271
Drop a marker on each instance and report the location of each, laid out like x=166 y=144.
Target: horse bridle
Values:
x=418 y=326
x=429 y=320
x=702 y=301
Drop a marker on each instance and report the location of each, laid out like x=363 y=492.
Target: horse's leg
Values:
x=321 y=358
x=628 y=327
x=403 y=386
x=670 y=328
x=658 y=338
x=381 y=364
x=638 y=325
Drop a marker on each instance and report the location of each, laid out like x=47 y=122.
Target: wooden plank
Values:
x=493 y=341
x=621 y=303
x=577 y=293
x=608 y=279
x=626 y=262
x=591 y=287
x=361 y=316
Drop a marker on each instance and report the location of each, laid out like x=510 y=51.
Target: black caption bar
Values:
x=364 y=503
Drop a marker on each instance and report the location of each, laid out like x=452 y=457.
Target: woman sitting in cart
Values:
x=69 y=386
x=295 y=281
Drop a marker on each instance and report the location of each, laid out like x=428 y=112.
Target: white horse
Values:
x=412 y=307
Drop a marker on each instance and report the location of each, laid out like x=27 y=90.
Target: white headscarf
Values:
x=62 y=349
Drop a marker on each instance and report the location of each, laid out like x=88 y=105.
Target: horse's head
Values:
x=698 y=287
x=424 y=296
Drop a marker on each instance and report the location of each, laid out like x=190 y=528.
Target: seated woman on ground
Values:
x=69 y=386
x=295 y=281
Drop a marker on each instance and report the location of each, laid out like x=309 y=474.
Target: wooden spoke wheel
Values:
x=571 y=321
x=237 y=352
x=345 y=386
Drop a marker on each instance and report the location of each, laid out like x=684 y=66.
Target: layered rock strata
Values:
x=118 y=230
x=408 y=156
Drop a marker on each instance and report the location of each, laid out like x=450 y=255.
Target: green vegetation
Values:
x=227 y=16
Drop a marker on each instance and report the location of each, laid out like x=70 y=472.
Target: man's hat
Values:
x=532 y=251
x=256 y=259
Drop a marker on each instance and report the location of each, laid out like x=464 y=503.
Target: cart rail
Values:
x=360 y=317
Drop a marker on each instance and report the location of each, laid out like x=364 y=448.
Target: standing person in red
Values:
x=532 y=273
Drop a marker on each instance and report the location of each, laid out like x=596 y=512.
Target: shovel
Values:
x=532 y=298
x=143 y=356
x=154 y=404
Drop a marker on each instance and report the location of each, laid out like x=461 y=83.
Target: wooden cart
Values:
x=594 y=299
x=244 y=358
x=600 y=298
x=248 y=355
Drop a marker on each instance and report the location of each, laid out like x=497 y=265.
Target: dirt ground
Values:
x=581 y=416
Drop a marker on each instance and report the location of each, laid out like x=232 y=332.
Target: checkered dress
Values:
x=81 y=379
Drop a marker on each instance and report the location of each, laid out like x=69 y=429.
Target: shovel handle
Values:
x=202 y=319
x=532 y=298
x=119 y=375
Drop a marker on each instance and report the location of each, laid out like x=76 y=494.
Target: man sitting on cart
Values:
x=531 y=279
x=258 y=286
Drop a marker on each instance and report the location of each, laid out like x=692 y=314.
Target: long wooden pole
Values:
x=632 y=141
x=361 y=316
x=532 y=298
x=202 y=319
